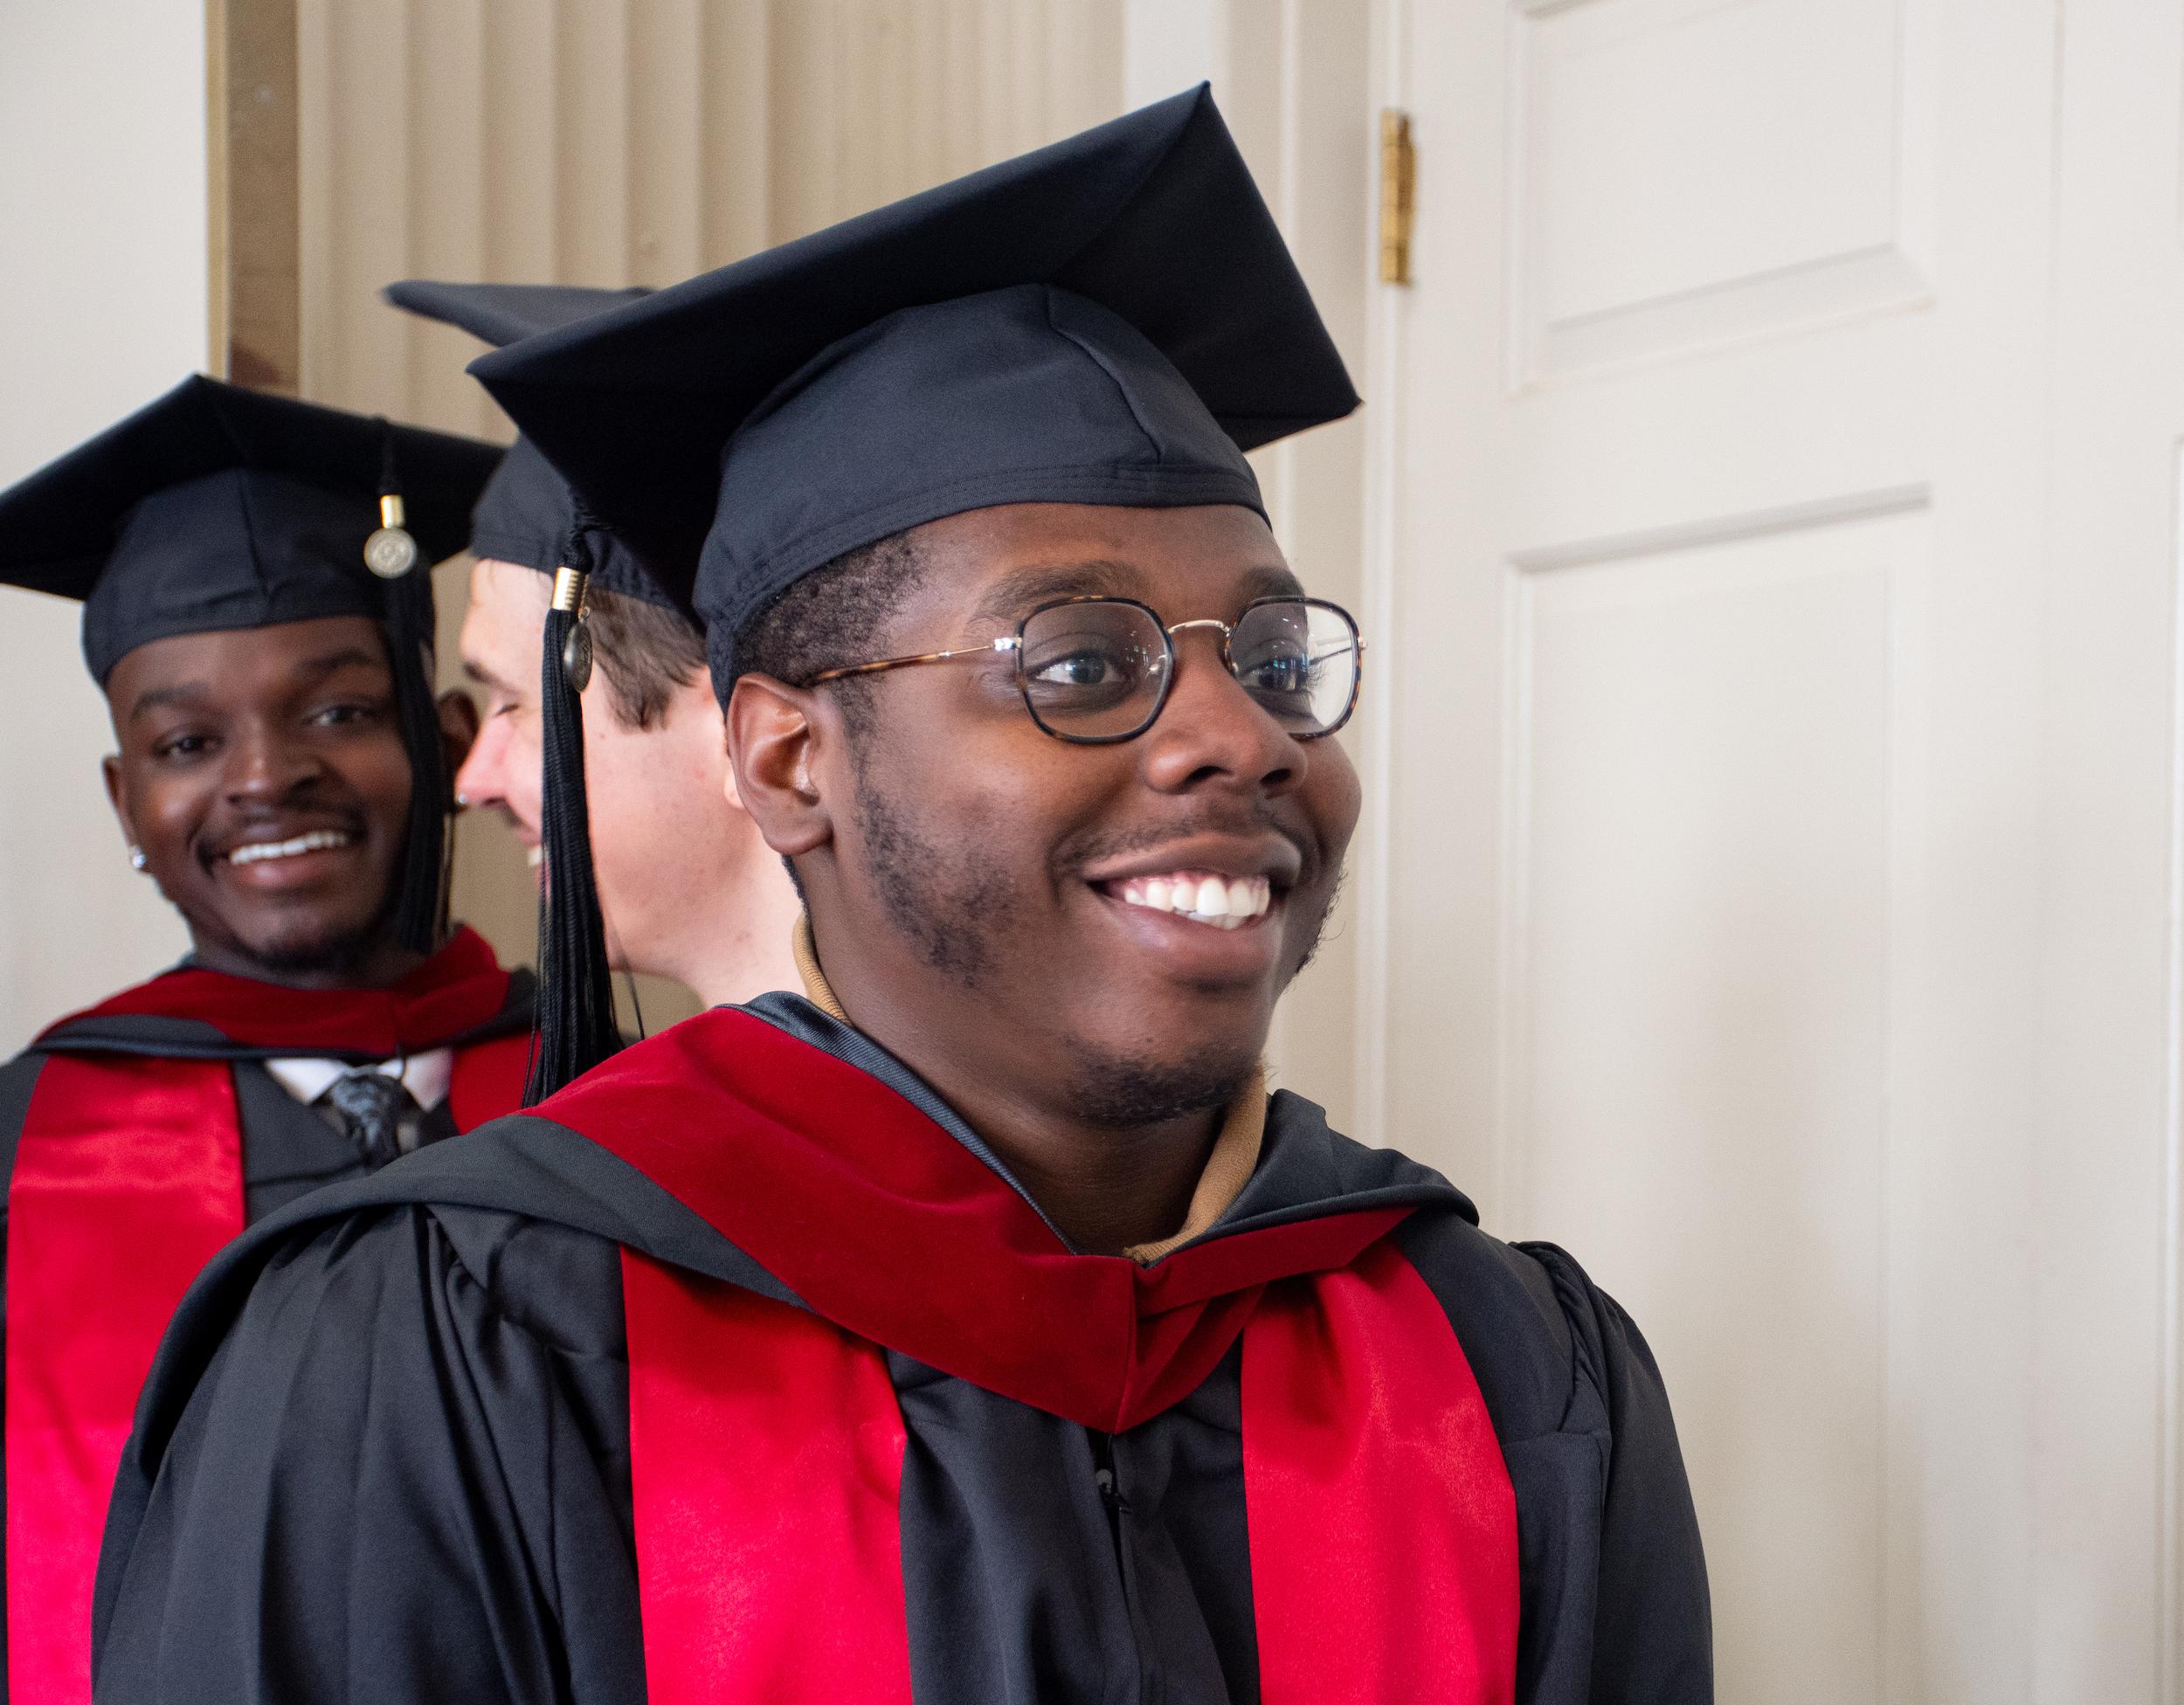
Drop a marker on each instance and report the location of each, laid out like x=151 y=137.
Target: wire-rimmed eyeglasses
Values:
x=1097 y=669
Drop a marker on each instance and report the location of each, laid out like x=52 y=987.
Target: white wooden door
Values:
x=1770 y=895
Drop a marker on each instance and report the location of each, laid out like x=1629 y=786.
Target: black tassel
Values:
x=574 y=1027
x=421 y=912
x=420 y=919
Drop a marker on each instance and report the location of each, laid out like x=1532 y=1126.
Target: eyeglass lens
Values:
x=1097 y=669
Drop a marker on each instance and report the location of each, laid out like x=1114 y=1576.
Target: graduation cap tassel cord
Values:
x=575 y=1009
x=421 y=911
x=391 y=553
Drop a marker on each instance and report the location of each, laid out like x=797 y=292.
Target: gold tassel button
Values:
x=391 y=552
x=572 y=597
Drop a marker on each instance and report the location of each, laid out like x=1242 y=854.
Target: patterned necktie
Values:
x=373 y=1104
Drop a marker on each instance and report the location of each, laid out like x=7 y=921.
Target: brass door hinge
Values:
x=1399 y=176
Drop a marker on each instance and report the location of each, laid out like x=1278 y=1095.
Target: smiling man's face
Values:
x=263 y=774
x=1016 y=893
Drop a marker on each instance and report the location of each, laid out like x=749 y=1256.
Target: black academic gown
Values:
x=384 y=1456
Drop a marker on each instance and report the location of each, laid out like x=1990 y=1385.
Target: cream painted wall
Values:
x=102 y=307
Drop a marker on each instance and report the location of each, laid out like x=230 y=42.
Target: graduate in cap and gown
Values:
x=686 y=886
x=973 y=1327
x=255 y=578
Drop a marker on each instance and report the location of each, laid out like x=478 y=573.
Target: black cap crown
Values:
x=217 y=507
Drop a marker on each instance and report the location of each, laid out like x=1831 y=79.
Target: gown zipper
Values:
x=1110 y=1491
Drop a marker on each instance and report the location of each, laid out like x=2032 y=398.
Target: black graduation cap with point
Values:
x=218 y=508
x=1114 y=319
x=527 y=511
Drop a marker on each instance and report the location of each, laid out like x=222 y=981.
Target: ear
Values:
x=110 y=768
x=457 y=727
x=778 y=736
x=697 y=714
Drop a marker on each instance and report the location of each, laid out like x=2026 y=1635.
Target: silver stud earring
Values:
x=137 y=860
x=462 y=801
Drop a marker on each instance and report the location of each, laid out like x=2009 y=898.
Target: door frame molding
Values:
x=1385 y=367
x=253 y=291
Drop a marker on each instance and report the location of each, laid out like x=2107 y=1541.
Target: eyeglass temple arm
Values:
x=1007 y=643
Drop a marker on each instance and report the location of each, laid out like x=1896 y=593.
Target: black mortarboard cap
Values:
x=1110 y=320
x=527 y=511
x=216 y=508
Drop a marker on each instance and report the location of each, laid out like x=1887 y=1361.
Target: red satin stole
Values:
x=128 y=1179
x=1382 y=1523
x=766 y=1467
x=838 y=1186
x=766 y=1462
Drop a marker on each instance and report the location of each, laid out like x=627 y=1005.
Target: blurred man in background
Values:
x=687 y=888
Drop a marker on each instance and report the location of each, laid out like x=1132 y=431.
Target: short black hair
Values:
x=836 y=614
x=647 y=651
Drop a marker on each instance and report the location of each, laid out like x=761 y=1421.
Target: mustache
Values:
x=1094 y=845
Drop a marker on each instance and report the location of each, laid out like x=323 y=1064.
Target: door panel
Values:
x=1701 y=924
x=1699 y=894
x=1688 y=171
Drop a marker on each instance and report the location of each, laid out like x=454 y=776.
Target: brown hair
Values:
x=649 y=654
